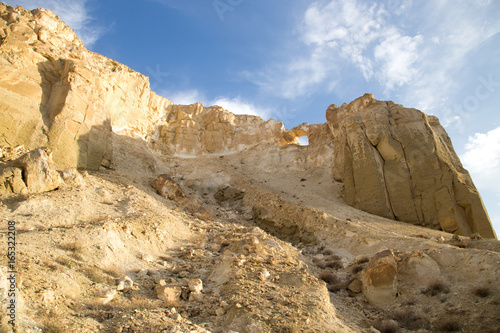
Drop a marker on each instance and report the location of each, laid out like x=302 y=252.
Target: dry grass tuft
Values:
x=65 y=262
x=114 y=271
x=329 y=278
x=327 y=252
x=320 y=263
x=386 y=326
x=435 y=288
x=52 y=323
x=482 y=292
x=335 y=264
x=96 y=275
x=356 y=269
x=410 y=320
x=449 y=326
x=362 y=260
x=76 y=246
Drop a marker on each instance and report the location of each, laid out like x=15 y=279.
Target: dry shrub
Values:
x=327 y=252
x=333 y=257
x=321 y=264
x=362 y=260
x=356 y=269
x=410 y=320
x=95 y=275
x=75 y=246
x=65 y=262
x=328 y=277
x=386 y=326
x=114 y=271
x=449 y=326
x=52 y=323
x=335 y=264
x=77 y=256
x=342 y=285
x=482 y=292
x=51 y=265
x=435 y=288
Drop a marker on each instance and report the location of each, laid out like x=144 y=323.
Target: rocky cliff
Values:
x=133 y=214
x=394 y=162
x=399 y=163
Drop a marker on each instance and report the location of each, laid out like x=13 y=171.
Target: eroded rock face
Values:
x=380 y=279
x=33 y=172
x=395 y=162
x=399 y=163
x=55 y=93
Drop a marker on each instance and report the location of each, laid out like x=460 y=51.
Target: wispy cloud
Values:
x=409 y=50
x=75 y=14
x=339 y=32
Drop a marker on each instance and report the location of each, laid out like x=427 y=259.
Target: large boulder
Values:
x=380 y=278
x=399 y=163
x=33 y=172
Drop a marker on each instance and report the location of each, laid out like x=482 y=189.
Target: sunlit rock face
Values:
x=394 y=162
x=399 y=163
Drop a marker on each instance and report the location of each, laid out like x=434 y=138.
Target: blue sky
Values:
x=290 y=59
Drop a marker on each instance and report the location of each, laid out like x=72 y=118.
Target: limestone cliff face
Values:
x=56 y=93
x=399 y=163
x=395 y=162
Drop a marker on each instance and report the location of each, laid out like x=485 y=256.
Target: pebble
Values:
x=124 y=282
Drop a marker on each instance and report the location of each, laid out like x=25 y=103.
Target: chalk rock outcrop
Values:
x=33 y=172
x=57 y=94
x=399 y=163
x=196 y=130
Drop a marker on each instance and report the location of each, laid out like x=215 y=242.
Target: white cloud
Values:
x=75 y=14
x=235 y=105
x=482 y=159
x=238 y=106
x=185 y=97
x=363 y=35
x=339 y=32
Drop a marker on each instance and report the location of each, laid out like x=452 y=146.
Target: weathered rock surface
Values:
x=33 y=172
x=380 y=279
x=399 y=163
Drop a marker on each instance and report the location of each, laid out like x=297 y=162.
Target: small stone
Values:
x=124 y=282
x=264 y=275
x=160 y=281
x=356 y=286
x=215 y=247
x=107 y=295
x=141 y=273
x=374 y=330
x=195 y=285
x=147 y=257
x=196 y=297
x=220 y=312
x=171 y=295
